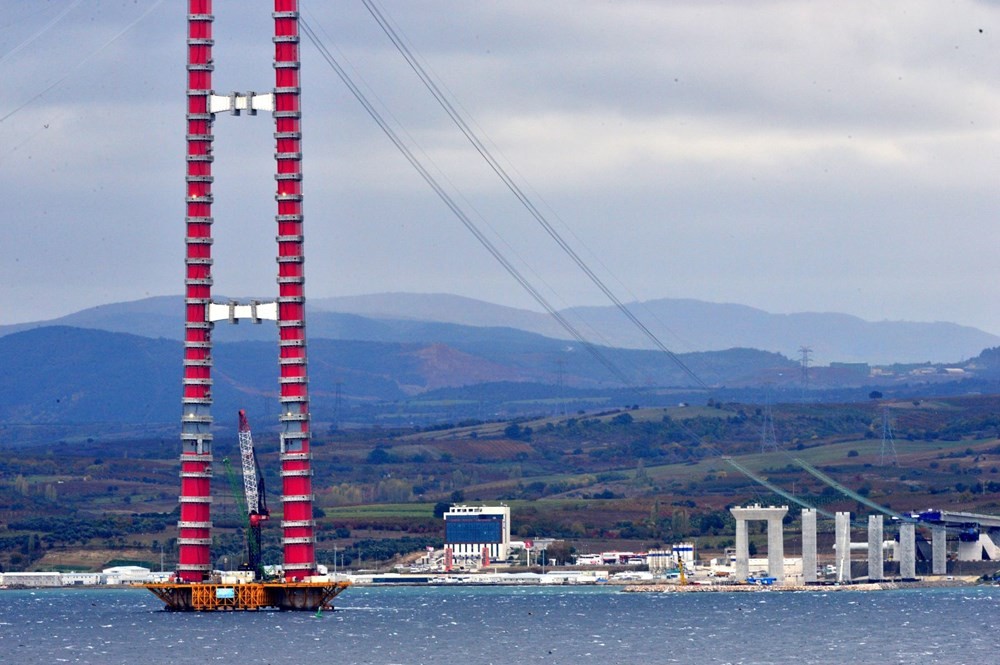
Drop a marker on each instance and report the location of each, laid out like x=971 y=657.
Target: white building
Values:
x=31 y=579
x=470 y=529
x=81 y=579
x=126 y=575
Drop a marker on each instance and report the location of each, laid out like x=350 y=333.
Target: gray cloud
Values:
x=786 y=155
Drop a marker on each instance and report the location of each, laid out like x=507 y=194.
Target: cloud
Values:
x=785 y=155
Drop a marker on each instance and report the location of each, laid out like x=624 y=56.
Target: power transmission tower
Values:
x=804 y=352
x=888 y=439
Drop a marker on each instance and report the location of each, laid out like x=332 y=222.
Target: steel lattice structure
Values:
x=288 y=309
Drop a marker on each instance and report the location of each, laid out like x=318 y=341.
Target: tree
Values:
x=680 y=524
x=622 y=419
x=560 y=553
x=379 y=456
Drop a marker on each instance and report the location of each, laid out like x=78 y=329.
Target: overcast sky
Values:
x=792 y=156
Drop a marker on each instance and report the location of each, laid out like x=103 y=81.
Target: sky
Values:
x=791 y=156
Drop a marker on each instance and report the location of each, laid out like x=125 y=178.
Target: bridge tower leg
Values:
x=195 y=526
x=298 y=525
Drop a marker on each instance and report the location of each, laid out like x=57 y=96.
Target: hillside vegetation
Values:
x=630 y=476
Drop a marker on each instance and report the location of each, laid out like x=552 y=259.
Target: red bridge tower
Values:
x=288 y=310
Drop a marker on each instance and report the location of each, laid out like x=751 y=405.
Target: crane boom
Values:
x=249 y=461
x=254 y=508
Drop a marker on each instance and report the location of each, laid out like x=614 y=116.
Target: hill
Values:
x=693 y=325
x=617 y=478
x=683 y=325
x=62 y=374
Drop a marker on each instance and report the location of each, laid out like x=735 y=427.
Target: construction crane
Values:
x=251 y=501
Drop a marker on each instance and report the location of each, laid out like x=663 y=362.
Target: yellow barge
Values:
x=209 y=596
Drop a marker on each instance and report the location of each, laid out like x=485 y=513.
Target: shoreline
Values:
x=884 y=585
x=753 y=588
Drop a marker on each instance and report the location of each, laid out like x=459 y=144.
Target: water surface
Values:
x=504 y=625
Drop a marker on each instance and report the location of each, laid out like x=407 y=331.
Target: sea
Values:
x=508 y=625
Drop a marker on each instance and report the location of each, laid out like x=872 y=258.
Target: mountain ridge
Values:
x=682 y=324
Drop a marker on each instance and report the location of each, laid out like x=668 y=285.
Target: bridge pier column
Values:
x=776 y=548
x=808 y=545
x=775 y=539
x=907 y=551
x=742 y=567
x=939 y=550
x=875 y=568
x=843 y=541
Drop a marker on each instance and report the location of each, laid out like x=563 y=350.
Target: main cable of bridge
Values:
x=455 y=208
x=517 y=191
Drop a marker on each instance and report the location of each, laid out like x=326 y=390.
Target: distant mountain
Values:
x=682 y=325
x=832 y=337
x=685 y=325
x=443 y=308
x=61 y=374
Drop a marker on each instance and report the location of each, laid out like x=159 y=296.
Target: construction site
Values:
x=297 y=585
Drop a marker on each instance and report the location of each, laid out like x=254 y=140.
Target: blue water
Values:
x=513 y=625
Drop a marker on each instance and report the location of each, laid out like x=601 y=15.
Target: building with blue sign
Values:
x=470 y=529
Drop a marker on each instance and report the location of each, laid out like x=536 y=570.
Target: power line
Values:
x=41 y=31
x=454 y=207
x=79 y=63
x=516 y=190
x=404 y=150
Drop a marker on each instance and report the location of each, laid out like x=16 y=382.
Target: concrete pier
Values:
x=907 y=551
x=742 y=567
x=939 y=550
x=843 y=544
x=808 y=545
x=775 y=539
x=875 y=567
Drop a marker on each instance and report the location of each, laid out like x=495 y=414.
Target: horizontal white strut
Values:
x=233 y=311
x=235 y=102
